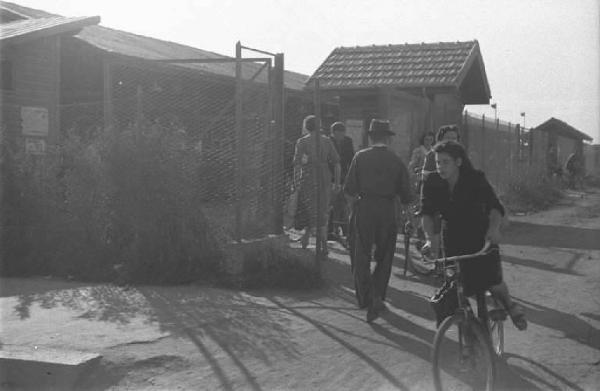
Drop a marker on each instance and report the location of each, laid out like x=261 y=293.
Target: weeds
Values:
x=529 y=192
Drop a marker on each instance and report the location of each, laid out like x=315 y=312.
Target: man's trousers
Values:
x=373 y=233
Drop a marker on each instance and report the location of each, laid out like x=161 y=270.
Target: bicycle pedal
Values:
x=497 y=315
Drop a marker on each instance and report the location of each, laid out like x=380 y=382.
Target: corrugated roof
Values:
x=409 y=65
x=133 y=45
x=21 y=30
x=563 y=128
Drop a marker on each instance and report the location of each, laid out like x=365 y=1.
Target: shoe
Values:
x=375 y=309
x=517 y=316
x=372 y=314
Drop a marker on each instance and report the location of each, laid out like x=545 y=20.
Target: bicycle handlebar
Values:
x=484 y=251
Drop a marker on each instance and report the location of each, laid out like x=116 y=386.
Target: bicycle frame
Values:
x=463 y=302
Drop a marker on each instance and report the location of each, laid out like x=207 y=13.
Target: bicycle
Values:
x=465 y=342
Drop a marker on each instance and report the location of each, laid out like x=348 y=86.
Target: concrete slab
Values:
x=33 y=367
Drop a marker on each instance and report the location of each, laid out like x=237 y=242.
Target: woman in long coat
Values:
x=311 y=169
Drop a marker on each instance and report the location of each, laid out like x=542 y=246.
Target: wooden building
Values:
x=418 y=87
x=100 y=72
x=563 y=140
x=31 y=81
x=591 y=153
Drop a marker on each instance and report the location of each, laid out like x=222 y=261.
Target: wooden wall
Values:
x=36 y=81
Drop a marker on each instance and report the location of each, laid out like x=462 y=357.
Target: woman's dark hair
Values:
x=425 y=135
x=310 y=123
x=455 y=150
x=445 y=129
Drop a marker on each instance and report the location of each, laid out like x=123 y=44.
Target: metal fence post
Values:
x=239 y=143
x=511 y=158
x=317 y=170
x=483 y=156
x=278 y=92
x=108 y=94
x=465 y=129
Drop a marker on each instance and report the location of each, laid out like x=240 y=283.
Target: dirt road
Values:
x=191 y=338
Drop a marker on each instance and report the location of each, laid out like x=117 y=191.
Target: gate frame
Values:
x=274 y=65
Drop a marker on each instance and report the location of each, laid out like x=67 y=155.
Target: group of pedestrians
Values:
x=449 y=187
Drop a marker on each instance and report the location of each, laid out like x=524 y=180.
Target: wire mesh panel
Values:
x=227 y=169
x=504 y=150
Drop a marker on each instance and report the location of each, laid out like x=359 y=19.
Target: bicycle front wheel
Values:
x=463 y=358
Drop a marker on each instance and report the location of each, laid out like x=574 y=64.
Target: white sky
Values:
x=542 y=57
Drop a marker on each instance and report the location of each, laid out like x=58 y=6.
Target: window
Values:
x=7 y=75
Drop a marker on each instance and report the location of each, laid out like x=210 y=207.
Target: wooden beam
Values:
x=107 y=80
x=277 y=98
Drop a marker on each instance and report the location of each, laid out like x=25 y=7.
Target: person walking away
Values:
x=472 y=214
x=345 y=149
x=574 y=167
x=310 y=169
x=375 y=178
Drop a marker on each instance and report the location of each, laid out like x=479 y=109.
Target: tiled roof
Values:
x=409 y=65
x=132 y=45
x=31 y=28
x=563 y=128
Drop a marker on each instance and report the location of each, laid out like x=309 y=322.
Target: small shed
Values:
x=591 y=154
x=418 y=87
x=31 y=63
x=563 y=140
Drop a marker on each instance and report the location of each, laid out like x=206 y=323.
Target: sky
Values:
x=542 y=57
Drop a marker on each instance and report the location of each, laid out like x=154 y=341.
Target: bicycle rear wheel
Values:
x=463 y=358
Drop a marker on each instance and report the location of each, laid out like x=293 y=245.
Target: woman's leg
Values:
x=501 y=293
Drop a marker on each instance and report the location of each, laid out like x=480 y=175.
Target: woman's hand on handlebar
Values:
x=428 y=251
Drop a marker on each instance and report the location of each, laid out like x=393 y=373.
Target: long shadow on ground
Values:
x=571 y=326
x=529 y=234
x=420 y=346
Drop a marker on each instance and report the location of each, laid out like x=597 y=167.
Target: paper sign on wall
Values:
x=34 y=121
x=35 y=146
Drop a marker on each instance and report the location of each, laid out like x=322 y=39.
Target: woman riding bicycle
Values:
x=473 y=214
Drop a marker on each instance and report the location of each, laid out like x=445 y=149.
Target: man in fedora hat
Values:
x=375 y=178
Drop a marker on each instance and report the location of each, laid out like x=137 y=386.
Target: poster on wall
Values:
x=354 y=130
x=35 y=146
x=34 y=121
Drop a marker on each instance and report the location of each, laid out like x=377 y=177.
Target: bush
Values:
x=126 y=201
x=531 y=192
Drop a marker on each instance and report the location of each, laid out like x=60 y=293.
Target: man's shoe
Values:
x=372 y=314
x=375 y=309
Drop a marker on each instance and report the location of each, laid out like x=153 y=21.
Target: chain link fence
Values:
x=504 y=150
x=166 y=167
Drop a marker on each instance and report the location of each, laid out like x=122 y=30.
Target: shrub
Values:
x=129 y=198
x=531 y=192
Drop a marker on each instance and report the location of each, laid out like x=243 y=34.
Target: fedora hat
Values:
x=379 y=126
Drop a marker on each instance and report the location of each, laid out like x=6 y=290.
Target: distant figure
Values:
x=375 y=178
x=345 y=149
x=310 y=169
x=574 y=167
x=417 y=158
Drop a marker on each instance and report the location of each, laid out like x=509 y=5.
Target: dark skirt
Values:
x=479 y=274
